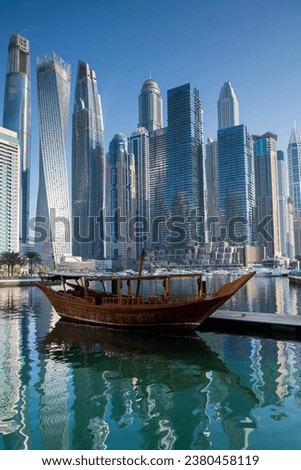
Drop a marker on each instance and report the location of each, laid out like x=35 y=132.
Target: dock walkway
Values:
x=243 y=322
x=18 y=281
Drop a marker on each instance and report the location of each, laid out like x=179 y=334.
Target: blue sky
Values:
x=254 y=44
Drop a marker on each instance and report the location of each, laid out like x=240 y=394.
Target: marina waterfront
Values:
x=70 y=386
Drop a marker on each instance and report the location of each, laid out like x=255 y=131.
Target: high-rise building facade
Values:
x=120 y=202
x=227 y=107
x=17 y=117
x=139 y=147
x=53 y=216
x=236 y=185
x=285 y=210
x=294 y=176
x=212 y=212
x=88 y=167
x=158 y=209
x=266 y=191
x=184 y=171
x=150 y=106
x=9 y=190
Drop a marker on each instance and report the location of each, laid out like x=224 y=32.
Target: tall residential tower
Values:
x=227 y=107
x=120 y=203
x=267 y=193
x=9 y=190
x=53 y=80
x=236 y=185
x=184 y=171
x=139 y=147
x=17 y=117
x=286 y=210
x=294 y=175
x=88 y=167
x=150 y=106
x=211 y=166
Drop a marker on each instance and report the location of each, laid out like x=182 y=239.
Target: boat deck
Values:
x=244 y=322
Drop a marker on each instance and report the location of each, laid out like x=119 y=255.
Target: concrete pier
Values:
x=255 y=322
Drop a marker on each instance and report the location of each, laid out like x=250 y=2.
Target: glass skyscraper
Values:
x=266 y=190
x=236 y=185
x=158 y=210
x=227 y=107
x=121 y=203
x=53 y=217
x=184 y=170
x=139 y=147
x=9 y=190
x=150 y=106
x=17 y=117
x=294 y=174
x=285 y=209
x=151 y=119
x=211 y=166
x=88 y=167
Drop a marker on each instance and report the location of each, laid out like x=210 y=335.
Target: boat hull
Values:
x=182 y=315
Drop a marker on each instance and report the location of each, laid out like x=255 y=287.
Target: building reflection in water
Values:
x=266 y=295
x=9 y=376
x=69 y=386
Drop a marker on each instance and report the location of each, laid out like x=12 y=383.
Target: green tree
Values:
x=32 y=258
x=11 y=259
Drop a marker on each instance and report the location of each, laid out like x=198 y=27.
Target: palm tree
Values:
x=32 y=257
x=11 y=259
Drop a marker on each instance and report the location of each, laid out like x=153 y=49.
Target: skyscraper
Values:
x=121 y=202
x=17 y=117
x=185 y=170
x=227 y=107
x=236 y=185
x=53 y=217
x=88 y=167
x=139 y=147
x=267 y=194
x=157 y=177
x=9 y=190
x=211 y=165
x=151 y=119
x=285 y=210
x=294 y=176
x=150 y=106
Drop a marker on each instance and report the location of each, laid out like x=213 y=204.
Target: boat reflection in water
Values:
x=153 y=391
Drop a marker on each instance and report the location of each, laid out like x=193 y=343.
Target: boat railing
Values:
x=150 y=300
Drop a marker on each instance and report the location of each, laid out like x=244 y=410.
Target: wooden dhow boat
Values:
x=117 y=301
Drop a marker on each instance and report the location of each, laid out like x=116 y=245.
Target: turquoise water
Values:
x=69 y=386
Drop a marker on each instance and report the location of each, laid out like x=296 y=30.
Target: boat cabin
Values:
x=122 y=290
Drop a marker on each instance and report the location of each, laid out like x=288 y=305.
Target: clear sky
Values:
x=255 y=44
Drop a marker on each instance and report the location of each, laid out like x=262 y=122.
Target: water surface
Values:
x=69 y=386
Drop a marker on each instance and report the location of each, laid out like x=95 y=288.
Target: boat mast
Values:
x=142 y=256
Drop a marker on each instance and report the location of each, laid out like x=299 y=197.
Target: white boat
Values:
x=279 y=272
x=261 y=270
